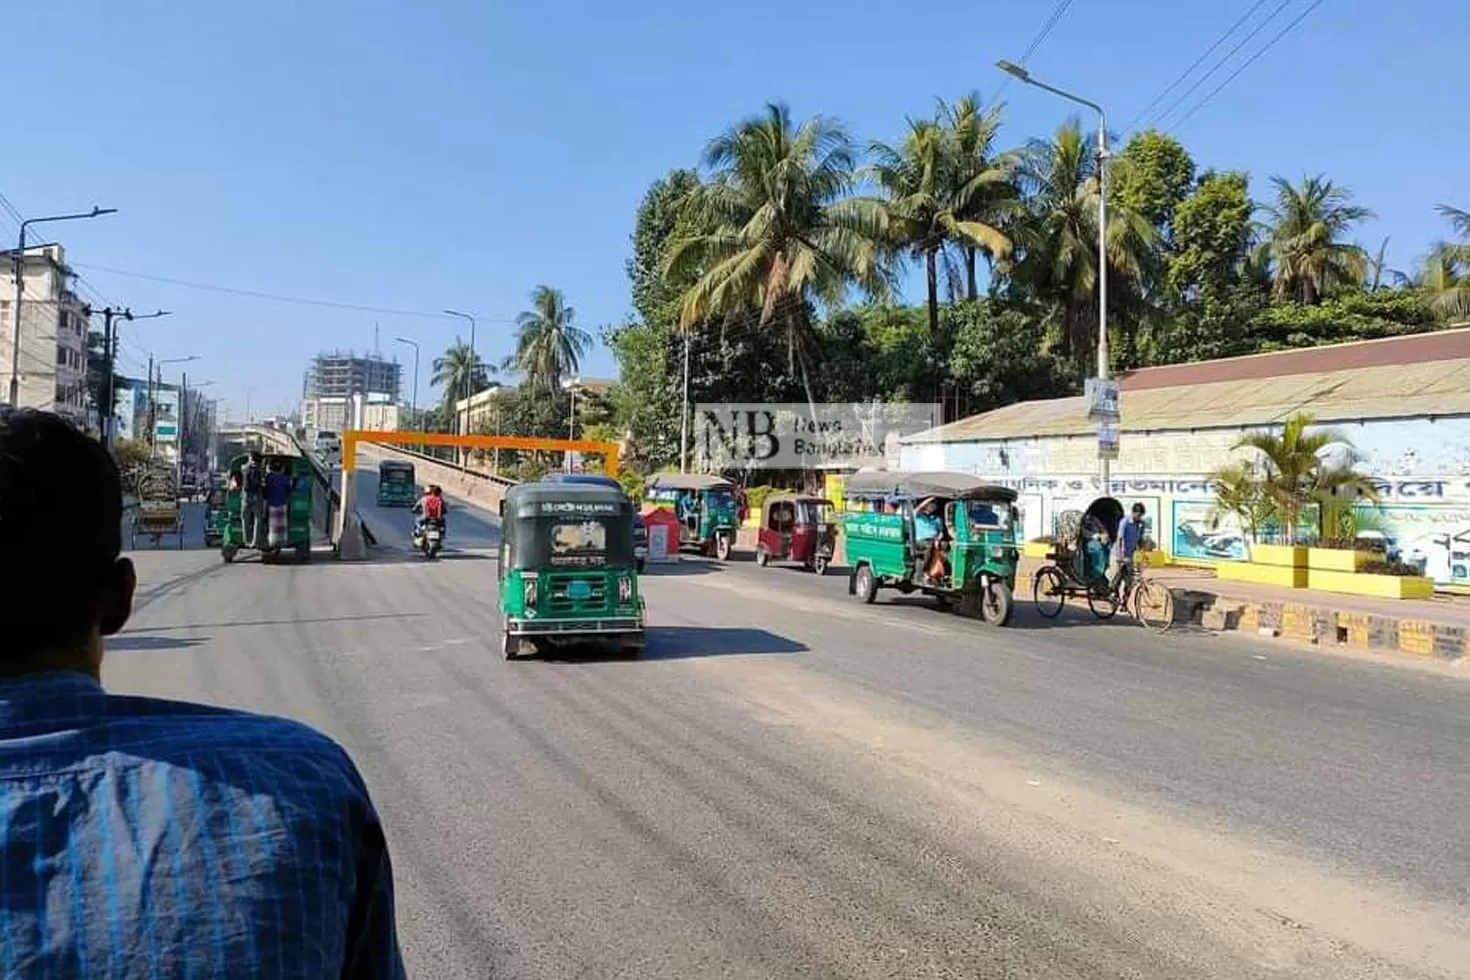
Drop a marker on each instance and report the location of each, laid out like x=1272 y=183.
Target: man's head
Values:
x=1138 y=512
x=60 y=537
x=434 y=490
x=255 y=456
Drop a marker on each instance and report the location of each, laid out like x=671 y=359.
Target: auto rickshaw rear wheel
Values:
x=864 y=584
x=820 y=565
x=228 y=553
x=762 y=557
x=510 y=646
x=722 y=547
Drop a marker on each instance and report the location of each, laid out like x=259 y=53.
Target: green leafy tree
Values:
x=998 y=357
x=1151 y=177
x=776 y=227
x=459 y=373
x=919 y=181
x=549 y=344
x=1212 y=233
x=1306 y=231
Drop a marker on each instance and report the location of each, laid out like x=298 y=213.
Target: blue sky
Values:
x=455 y=154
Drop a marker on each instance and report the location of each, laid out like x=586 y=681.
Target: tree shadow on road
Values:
x=142 y=643
x=683 y=643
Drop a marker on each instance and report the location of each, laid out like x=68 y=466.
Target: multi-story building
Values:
x=348 y=391
x=53 y=333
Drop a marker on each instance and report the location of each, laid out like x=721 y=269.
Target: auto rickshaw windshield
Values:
x=573 y=541
x=990 y=514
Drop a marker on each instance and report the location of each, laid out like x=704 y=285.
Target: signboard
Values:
x=1102 y=400
x=1107 y=441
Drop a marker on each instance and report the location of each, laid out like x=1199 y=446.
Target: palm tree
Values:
x=1446 y=273
x=921 y=187
x=984 y=185
x=549 y=345
x=1057 y=238
x=775 y=228
x=1305 y=239
x=459 y=373
x=1295 y=474
x=1378 y=271
x=1239 y=491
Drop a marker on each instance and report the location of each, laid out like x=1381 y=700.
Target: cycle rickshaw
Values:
x=1078 y=569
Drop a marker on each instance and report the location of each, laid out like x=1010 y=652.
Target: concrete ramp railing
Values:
x=482 y=488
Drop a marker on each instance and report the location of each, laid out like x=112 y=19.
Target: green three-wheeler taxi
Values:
x=396 y=487
x=705 y=506
x=567 y=573
x=947 y=535
x=250 y=523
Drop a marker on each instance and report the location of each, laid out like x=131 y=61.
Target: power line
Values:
x=1248 y=62
x=1197 y=62
x=1160 y=117
x=278 y=298
x=1041 y=35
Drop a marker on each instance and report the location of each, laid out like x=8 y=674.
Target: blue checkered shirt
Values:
x=152 y=840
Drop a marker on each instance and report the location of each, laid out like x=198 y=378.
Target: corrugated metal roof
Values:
x=1439 y=388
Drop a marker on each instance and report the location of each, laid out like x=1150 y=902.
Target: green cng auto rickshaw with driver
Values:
x=249 y=523
x=567 y=573
x=705 y=506
x=396 y=487
x=947 y=535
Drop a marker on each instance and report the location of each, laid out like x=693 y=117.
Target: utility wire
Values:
x=1248 y=62
x=1036 y=42
x=278 y=298
x=1197 y=62
x=1159 y=118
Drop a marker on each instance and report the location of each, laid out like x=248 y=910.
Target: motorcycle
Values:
x=429 y=539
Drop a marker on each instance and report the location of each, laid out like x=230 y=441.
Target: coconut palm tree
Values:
x=1295 y=473
x=1305 y=239
x=1446 y=273
x=984 y=180
x=776 y=228
x=459 y=373
x=1057 y=238
x=920 y=188
x=549 y=345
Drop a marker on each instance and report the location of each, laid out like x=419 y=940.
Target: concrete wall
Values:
x=483 y=490
x=1421 y=468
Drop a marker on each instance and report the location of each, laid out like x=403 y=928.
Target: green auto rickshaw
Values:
x=705 y=506
x=567 y=573
x=249 y=523
x=948 y=535
x=215 y=517
x=396 y=487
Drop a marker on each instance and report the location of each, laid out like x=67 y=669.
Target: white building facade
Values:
x=53 y=334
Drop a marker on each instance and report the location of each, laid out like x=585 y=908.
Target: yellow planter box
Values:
x=1338 y=559
x=1361 y=583
x=1259 y=574
x=1288 y=556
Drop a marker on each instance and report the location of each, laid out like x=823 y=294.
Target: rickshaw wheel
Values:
x=1048 y=591
x=865 y=584
x=1104 y=605
x=762 y=557
x=996 y=603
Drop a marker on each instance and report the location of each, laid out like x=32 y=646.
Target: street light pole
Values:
x=18 y=269
x=1020 y=73
x=414 y=398
x=469 y=382
x=571 y=386
x=152 y=404
x=684 y=413
x=109 y=357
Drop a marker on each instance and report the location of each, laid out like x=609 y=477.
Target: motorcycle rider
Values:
x=430 y=507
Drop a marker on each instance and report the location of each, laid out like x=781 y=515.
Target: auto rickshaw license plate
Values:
x=578 y=589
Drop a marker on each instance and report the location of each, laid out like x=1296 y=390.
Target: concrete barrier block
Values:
x=1415 y=638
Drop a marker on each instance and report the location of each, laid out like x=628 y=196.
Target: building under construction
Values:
x=342 y=374
x=346 y=390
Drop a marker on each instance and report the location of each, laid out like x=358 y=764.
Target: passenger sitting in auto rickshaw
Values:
x=929 y=535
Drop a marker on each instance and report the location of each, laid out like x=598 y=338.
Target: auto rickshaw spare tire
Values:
x=722 y=547
x=996 y=602
x=865 y=585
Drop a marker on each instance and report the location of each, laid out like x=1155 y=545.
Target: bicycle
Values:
x=1149 y=601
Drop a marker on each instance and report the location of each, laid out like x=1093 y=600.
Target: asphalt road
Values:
x=792 y=784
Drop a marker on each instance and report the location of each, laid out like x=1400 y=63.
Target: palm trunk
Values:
x=972 y=289
x=931 y=264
